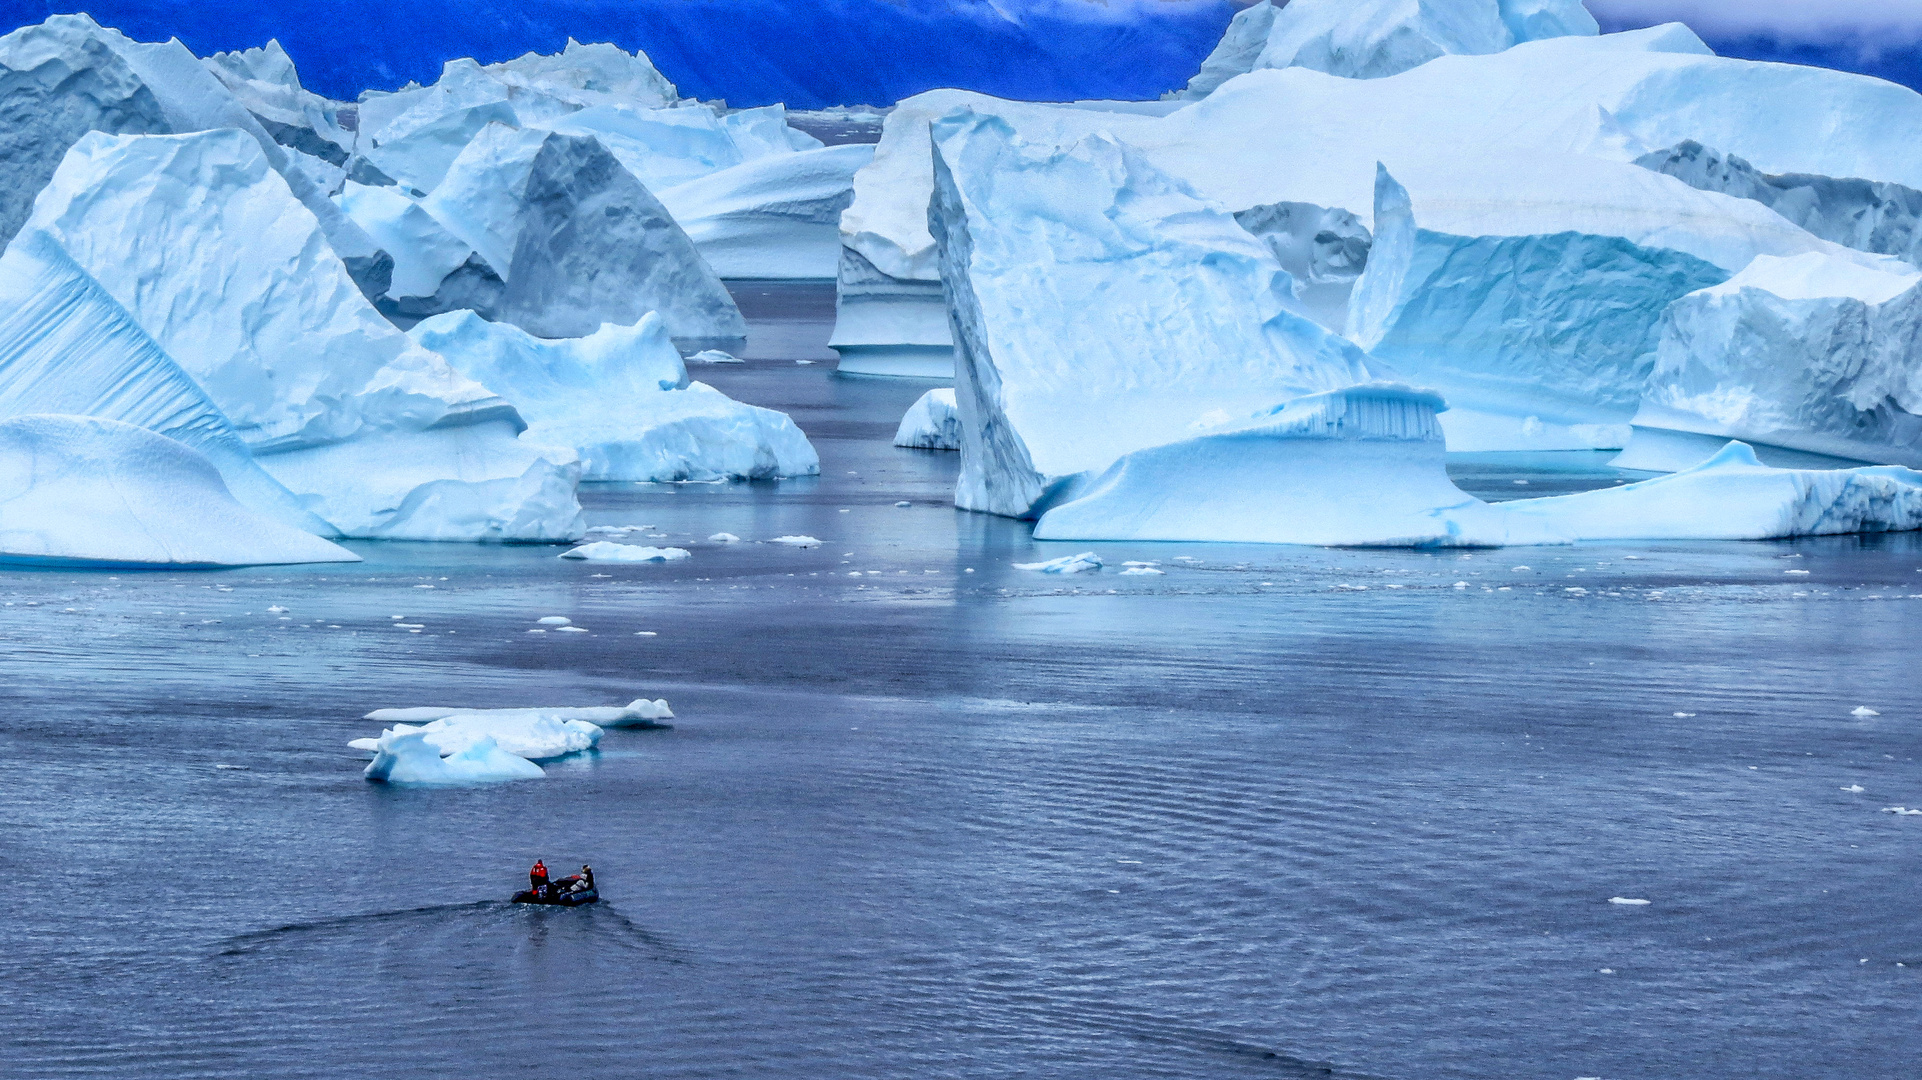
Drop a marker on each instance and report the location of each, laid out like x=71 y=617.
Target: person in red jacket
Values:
x=537 y=878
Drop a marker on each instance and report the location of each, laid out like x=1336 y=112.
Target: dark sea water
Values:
x=1280 y=812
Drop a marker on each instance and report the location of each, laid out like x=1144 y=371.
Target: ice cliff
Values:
x=776 y=217
x=933 y=422
x=621 y=398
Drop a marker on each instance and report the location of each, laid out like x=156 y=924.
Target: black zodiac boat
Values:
x=561 y=893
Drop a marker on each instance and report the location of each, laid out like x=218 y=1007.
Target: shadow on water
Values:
x=599 y=923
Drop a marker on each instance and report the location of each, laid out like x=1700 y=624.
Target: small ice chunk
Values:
x=715 y=356
x=1863 y=711
x=277 y=609
x=408 y=757
x=1627 y=901
x=1803 y=572
x=1901 y=811
x=1141 y=571
x=1141 y=562
x=903 y=503
x=609 y=551
x=1855 y=789
x=796 y=541
x=235 y=768
x=1067 y=564
x=645 y=633
x=1459 y=585
x=571 y=630
x=1684 y=715
x=725 y=538
x=555 y=620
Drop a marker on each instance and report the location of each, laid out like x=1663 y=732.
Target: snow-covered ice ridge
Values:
x=451 y=746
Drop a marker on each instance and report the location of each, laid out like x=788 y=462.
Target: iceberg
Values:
x=889 y=313
x=1372 y=39
x=1810 y=358
x=594 y=246
x=1101 y=307
x=1530 y=290
x=637 y=713
x=1324 y=249
x=1067 y=564
x=318 y=134
x=931 y=423
x=407 y=757
x=479 y=200
x=66 y=346
x=664 y=148
x=80 y=491
x=204 y=248
x=434 y=271
x=774 y=218
x=1866 y=215
x=621 y=398
x=69 y=75
x=534 y=734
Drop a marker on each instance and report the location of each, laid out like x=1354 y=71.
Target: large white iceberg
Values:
x=434 y=270
x=526 y=733
x=69 y=75
x=1371 y=39
x=78 y=490
x=1812 y=354
x=201 y=243
x=889 y=314
x=776 y=217
x=479 y=200
x=309 y=126
x=621 y=398
x=1099 y=308
x=66 y=346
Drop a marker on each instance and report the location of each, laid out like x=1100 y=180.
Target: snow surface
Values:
x=424 y=252
x=621 y=398
x=931 y=423
x=609 y=551
x=1371 y=39
x=1810 y=353
x=80 y=490
x=407 y=757
x=204 y=247
x=776 y=217
x=1101 y=308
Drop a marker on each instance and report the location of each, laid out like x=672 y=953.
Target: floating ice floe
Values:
x=409 y=758
x=1855 y=789
x=714 y=356
x=641 y=712
x=1901 y=811
x=1863 y=711
x=1141 y=571
x=933 y=422
x=1067 y=564
x=533 y=734
x=609 y=551
x=796 y=541
x=380 y=438
x=82 y=490
x=1628 y=902
x=621 y=398
x=1371 y=39
x=554 y=620
x=725 y=538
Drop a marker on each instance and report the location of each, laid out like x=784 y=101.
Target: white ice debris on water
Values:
x=408 y=758
x=526 y=733
x=1067 y=564
x=554 y=620
x=1628 y=902
x=621 y=399
x=796 y=541
x=1141 y=571
x=609 y=551
x=1863 y=711
x=83 y=490
x=1901 y=811
x=933 y=422
x=714 y=356
x=725 y=538
x=1855 y=789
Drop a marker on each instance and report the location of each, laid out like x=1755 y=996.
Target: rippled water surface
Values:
x=1276 y=812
